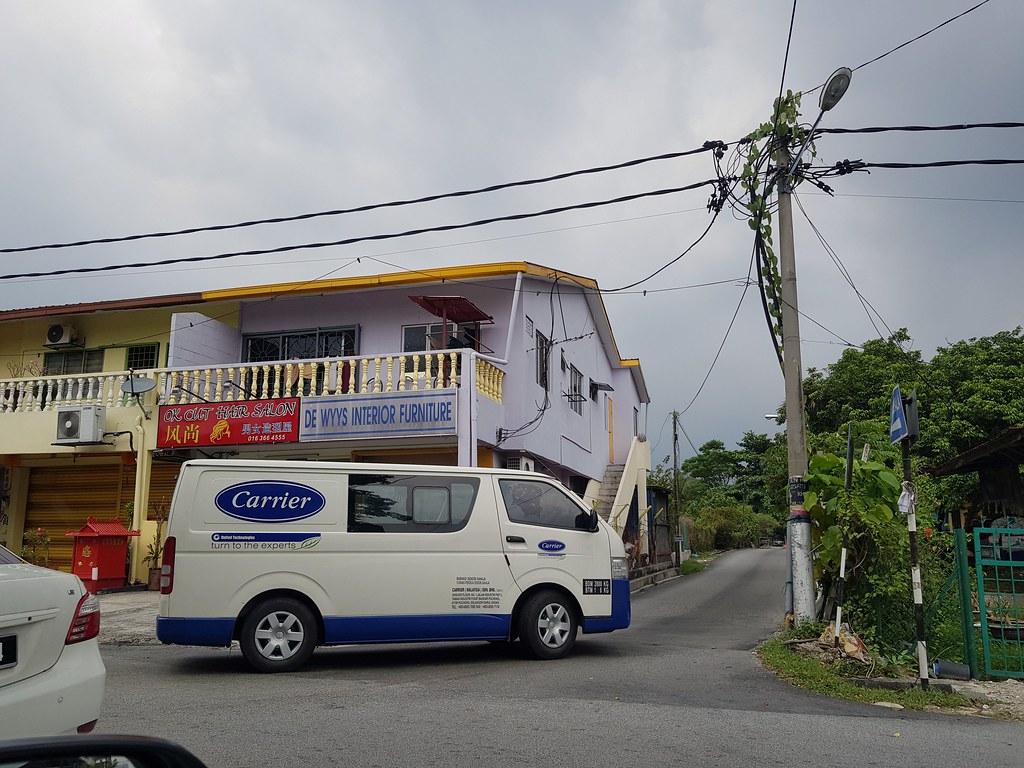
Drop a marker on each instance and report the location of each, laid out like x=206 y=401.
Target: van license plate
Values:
x=8 y=651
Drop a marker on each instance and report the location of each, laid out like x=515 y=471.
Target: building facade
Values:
x=509 y=364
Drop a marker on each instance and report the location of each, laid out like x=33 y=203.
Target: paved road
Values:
x=680 y=686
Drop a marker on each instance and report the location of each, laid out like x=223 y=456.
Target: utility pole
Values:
x=796 y=431
x=675 y=478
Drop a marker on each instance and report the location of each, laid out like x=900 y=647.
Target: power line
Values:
x=728 y=330
x=919 y=128
x=922 y=197
x=865 y=304
x=367 y=238
x=913 y=40
x=708 y=146
x=844 y=167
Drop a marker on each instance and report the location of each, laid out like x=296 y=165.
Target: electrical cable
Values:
x=368 y=238
x=865 y=304
x=919 y=128
x=721 y=346
x=708 y=146
x=663 y=267
x=908 y=42
x=844 y=167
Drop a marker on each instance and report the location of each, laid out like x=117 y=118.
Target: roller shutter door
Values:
x=62 y=498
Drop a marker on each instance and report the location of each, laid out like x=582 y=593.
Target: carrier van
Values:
x=284 y=556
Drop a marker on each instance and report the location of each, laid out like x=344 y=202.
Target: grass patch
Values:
x=691 y=566
x=813 y=675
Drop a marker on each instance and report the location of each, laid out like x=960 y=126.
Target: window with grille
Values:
x=302 y=345
x=432 y=336
x=576 y=398
x=141 y=356
x=543 y=360
x=73 y=361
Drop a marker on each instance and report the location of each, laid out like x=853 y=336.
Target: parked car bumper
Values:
x=64 y=698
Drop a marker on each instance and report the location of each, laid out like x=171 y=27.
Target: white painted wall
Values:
x=198 y=340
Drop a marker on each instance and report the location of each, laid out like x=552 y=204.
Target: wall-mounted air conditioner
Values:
x=80 y=424
x=520 y=462
x=61 y=336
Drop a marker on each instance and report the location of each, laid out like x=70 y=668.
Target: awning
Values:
x=455 y=309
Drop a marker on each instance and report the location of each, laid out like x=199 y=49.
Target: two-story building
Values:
x=509 y=364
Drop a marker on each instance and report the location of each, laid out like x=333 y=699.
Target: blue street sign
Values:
x=897 y=418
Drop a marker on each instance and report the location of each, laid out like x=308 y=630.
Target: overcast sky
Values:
x=131 y=117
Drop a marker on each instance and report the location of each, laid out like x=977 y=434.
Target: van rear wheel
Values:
x=278 y=635
x=547 y=625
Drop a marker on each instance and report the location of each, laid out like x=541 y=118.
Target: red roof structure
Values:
x=97 y=528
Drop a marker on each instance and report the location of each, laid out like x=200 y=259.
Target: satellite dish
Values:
x=137 y=385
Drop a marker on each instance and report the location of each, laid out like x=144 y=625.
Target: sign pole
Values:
x=903 y=428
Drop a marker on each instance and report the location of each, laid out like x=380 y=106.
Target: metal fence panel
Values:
x=999 y=560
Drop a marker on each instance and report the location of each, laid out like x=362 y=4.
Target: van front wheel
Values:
x=278 y=635
x=547 y=625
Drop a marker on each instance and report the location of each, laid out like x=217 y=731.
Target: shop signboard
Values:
x=243 y=422
x=394 y=414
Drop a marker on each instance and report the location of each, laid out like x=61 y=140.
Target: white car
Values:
x=51 y=675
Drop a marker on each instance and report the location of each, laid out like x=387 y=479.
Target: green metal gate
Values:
x=999 y=561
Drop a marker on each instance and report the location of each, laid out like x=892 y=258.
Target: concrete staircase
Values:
x=609 y=487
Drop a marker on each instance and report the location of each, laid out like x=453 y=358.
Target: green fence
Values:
x=999 y=564
x=894 y=631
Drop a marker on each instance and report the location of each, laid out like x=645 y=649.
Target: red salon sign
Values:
x=235 y=423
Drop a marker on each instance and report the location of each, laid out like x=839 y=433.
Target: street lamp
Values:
x=800 y=603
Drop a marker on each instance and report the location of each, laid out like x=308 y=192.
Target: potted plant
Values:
x=36 y=547
x=155 y=549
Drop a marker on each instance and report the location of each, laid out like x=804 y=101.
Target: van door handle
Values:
x=515 y=539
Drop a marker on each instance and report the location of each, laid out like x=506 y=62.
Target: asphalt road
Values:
x=680 y=686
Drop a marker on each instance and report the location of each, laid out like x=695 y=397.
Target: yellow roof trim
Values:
x=395 y=279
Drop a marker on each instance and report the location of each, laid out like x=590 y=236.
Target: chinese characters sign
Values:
x=234 y=423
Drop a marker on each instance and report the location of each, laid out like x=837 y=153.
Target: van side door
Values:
x=549 y=537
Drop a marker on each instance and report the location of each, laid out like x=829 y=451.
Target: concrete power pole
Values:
x=796 y=431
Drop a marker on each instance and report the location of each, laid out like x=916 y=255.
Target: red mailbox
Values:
x=101 y=554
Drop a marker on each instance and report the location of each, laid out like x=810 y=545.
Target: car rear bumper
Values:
x=58 y=701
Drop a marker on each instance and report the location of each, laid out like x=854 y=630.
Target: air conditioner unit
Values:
x=61 y=336
x=80 y=424
x=519 y=462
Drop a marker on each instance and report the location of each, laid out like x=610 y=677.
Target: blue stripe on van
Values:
x=410 y=629
x=621 y=612
x=215 y=632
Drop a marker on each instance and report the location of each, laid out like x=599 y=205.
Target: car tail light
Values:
x=167 y=569
x=86 y=624
x=87 y=727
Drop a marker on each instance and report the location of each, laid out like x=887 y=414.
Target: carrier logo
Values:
x=551 y=546
x=270 y=501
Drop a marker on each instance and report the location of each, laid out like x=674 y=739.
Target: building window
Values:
x=409 y=503
x=73 y=361
x=302 y=345
x=543 y=360
x=428 y=337
x=141 y=356
x=576 y=398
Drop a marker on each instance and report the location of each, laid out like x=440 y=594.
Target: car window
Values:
x=409 y=503
x=7 y=557
x=536 y=503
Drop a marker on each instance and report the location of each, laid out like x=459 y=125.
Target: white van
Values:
x=283 y=556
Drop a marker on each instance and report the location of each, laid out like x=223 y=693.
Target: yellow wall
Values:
x=21 y=341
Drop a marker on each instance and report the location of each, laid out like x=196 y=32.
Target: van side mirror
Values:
x=593 y=520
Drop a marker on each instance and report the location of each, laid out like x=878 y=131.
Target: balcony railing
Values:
x=258 y=381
